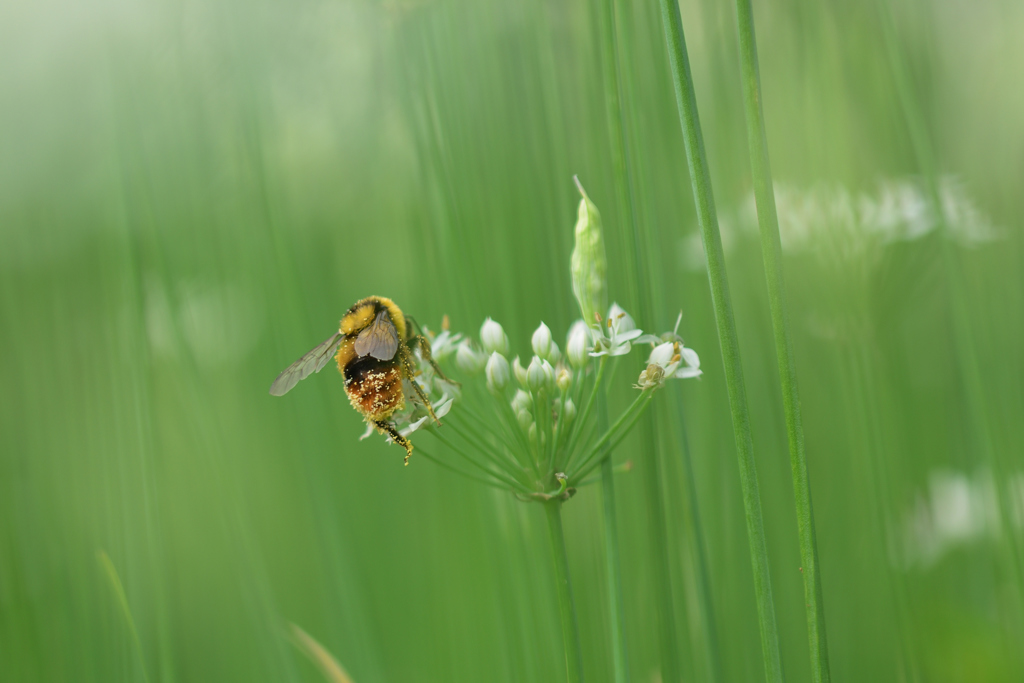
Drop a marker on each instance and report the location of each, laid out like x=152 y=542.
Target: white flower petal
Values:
x=629 y=335
x=620 y=350
x=443 y=408
x=368 y=432
x=414 y=426
x=647 y=339
x=662 y=354
x=620 y=320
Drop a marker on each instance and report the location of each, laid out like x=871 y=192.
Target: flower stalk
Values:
x=563 y=588
x=700 y=176
x=517 y=425
x=771 y=249
x=616 y=600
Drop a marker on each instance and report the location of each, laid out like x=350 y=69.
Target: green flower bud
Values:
x=497 y=373
x=468 y=359
x=578 y=347
x=525 y=420
x=537 y=437
x=563 y=380
x=520 y=372
x=493 y=337
x=568 y=411
x=522 y=401
x=541 y=341
x=589 y=263
x=549 y=375
x=536 y=376
x=555 y=354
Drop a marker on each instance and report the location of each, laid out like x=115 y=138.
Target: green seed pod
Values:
x=589 y=263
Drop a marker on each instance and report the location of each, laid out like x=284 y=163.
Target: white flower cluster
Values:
x=538 y=433
x=836 y=224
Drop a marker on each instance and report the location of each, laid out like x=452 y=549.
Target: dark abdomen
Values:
x=374 y=387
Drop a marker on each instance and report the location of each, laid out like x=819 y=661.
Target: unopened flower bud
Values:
x=589 y=262
x=549 y=375
x=563 y=379
x=542 y=341
x=569 y=411
x=521 y=401
x=497 y=373
x=577 y=347
x=525 y=420
x=520 y=372
x=468 y=359
x=536 y=378
x=532 y=432
x=554 y=355
x=493 y=337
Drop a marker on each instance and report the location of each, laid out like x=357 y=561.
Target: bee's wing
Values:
x=314 y=361
x=379 y=340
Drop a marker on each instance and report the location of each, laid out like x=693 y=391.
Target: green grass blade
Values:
x=122 y=603
x=771 y=249
x=327 y=663
x=700 y=178
x=633 y=244
x=963 y=333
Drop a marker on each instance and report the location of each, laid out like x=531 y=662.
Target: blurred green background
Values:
x=191 y=194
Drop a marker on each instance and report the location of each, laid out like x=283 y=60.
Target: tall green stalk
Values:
x=700 y=177
x=566 y=603
x=963 y=334
x=616 y=601
x=622 y=162
x=699 y=549
x=771 y=250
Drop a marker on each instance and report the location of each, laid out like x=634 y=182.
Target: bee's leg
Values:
x=385 y=426
x=424 y=346
x=411 y=371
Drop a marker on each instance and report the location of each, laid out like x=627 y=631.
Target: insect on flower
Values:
x=374 y=351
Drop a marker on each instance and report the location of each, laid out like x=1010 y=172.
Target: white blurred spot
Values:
x=220 y=324
x=957 y=510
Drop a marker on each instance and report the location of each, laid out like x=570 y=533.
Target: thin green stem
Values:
x=122 y=602
x=633 y=413
x=616 y=601
x=563 y=586
x=607 y=434
x=504 y=410
x=696 y=530
x=621 y=468
x=474 y=438
x=978 y=411
x=613 y=72
x=700 y=178
x=542 y=419
x=437 y=461
x=483 y=468
x=581 y=420
x=771 y=250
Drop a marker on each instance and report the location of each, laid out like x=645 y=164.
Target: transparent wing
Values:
x=314 y=361
x=379 y=340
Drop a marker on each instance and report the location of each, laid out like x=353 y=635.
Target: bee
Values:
x=373 y=348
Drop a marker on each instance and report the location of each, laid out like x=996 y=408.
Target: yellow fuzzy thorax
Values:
x=365 y=310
